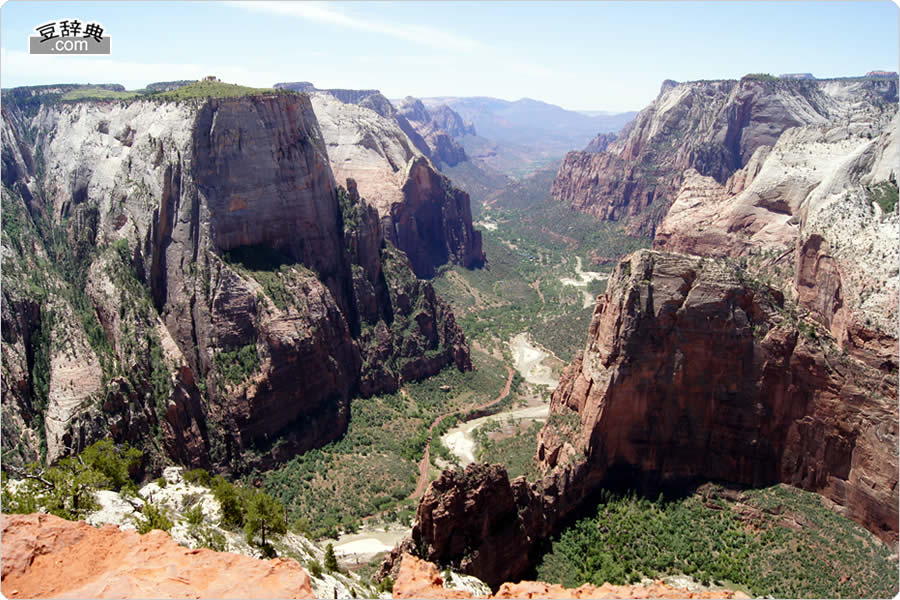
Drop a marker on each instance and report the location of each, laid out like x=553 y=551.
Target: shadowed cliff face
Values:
x=435 y=222
x=420 y=210
x=690 y=372
x=262 y=167
x=713 y=127
x=199 y=290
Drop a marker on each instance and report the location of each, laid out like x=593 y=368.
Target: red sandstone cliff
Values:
x=421 y=579
x=196 y=258
x=48 y=557
x=691 y=371
x=806 y=215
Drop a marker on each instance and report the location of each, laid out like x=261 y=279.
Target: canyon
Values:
x=755 y=345
x=216 y=279
x=219 y=278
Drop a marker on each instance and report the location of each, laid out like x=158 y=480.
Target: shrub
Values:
x=386 y=585
x=198 y=476
x=195 y=515
x=207 y=537
x=116 y=465
x=231 y=501
x=154 y=517
x=315 y=569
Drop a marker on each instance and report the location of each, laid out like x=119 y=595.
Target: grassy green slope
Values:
x=778 y=541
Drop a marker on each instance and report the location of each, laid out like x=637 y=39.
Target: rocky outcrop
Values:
x=433 y=127
x=199 y=275
x=691 y=372
x=420 y=210
x=47 y=557
x=403 y=322
x=804 y=215
x=421 y=579
x=729 y=388
x=447 y=119
x=601 y=142
x=470 y=520
x=713 y=127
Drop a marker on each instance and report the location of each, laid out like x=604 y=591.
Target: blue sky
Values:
x=587 y=55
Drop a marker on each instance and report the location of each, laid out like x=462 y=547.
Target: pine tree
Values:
x=265 y=516
x=331 y=564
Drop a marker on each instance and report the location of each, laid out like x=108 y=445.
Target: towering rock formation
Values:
x=189 y=277
x=420 y=210
x=691 y=371
x=772 y=357
x=713 y=127
x=815 y=214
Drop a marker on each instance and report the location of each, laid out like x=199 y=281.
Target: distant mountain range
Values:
x=517 y=137
x=522 y=121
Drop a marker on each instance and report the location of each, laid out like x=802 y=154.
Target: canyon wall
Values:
x=713 y=127
x=691 y=371
x=422 y=213
x=188 y=276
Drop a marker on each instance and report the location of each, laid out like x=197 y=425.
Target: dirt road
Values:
x=423 y=466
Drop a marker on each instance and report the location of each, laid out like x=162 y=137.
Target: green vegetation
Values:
x=533 y=247
x=197 y=476
x=232 y=500
x=67 y=488
x=373 y=468
x=271 y=269
x=154 y=517
x=884 y=194
x=95 y=93
x=515 y=451
x=264 y=516
x=385 y=585
x=207 y=537
x=563 y=335
x=331 y=564
x=237 y=365
x=315 y=569
x=761 y=77
x=118 y=466
x=776 y=541
x=215 y=89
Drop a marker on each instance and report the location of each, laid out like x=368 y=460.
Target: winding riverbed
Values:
x=529 y=362
x=584 y=278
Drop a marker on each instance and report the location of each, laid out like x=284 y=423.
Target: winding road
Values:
x=423 y=466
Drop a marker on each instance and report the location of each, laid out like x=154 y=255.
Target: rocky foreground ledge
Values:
x=48 y=557
x=420 y=579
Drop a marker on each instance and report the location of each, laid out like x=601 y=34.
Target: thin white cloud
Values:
x=324 y=12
